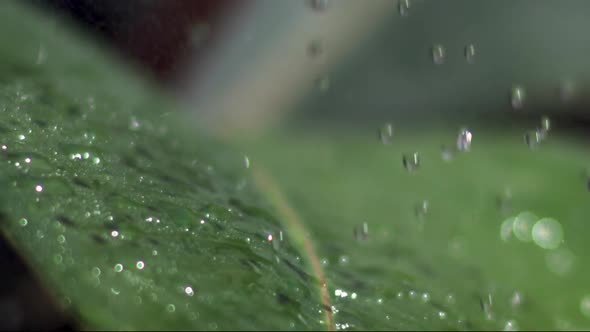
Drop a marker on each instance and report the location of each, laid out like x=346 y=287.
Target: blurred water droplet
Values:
x=323 y=84
x=533 y=138
x=516 y=300
x=517 y=97
x=188 y=290
x=61 y=239
x=425 y=297
x=511 y=325
x=560 y=261
x=486 y=306
x=470 y=53
x=385 y=133
x=134 y=123
x=23 y=222
x=361 y=233
x=442 y=315
x=523 y=225
x=319 y=5
x=96 y=271
x=403 y=7
x=315 y=48
x=464 y=140
x=506 y=228
x=446 y=153
x=545 y=123
x=547 y=233
x=38 y=188
x=420 y=211
x=118 y=267
x=567 y=91
x=450 y=299
x=411 y=162
x=343 y=260
x=41 y=55
x=438 y=54
x=246 y=162
x=170 y=308
x=585 y=305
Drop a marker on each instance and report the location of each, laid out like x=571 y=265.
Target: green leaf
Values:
x=119 y=207
x=131 y=222
x=451 y=264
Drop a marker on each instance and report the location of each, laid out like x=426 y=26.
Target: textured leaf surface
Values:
x=131 y=223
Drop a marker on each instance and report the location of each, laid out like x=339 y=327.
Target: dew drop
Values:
x=188 y=290
x=511 y=325
x=547 y=233
x=140 y=265
x=114 y=233
x=38 y=188
x=442 y=315
x=134 y=123
x=385 y=133
x=470 y=53
x=464 y=140
x=23 y=222
x=343 y=260
x=118 y=267
x=171 y=308
x=425 y=297
x=403 y=7
x=411 y=162
x=438 y=54
x=517 y=97
x=96 y=271
x=61 y=239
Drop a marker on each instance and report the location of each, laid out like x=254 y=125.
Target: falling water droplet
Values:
x=446 y=153
x=41 y=55
x=411 y=162
x=533 y=138
x=323 y=84
x=319 y=5
x=545 y=123
x=438 y=54
x=464 y=140
x=567 y=91
x=403 y=7
x=420 y=211
x=246 y=161
x=516 y=300
x=361 y=233
x=385 y=133
x=547 y=233
x=486 y=306
x=315 y=48
x=470 y=53
x=517 y=97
